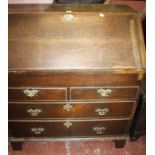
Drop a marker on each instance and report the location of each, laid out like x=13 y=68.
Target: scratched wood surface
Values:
x=89 y=41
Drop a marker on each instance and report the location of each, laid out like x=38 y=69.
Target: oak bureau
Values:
x=75 y=72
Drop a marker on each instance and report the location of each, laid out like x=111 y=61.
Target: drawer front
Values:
x=37 y=94
x=71 y=79
x=70 y=110
x=103 y=93
x=68 y=128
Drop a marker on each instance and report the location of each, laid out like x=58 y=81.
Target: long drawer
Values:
x=90 y=93
x=68 y=128
x=37 y=94
x=70 y=79
x=46 y=110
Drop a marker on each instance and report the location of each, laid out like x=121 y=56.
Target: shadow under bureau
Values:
x=75 y=72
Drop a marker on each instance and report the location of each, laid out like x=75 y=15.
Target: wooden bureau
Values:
x=75 y=72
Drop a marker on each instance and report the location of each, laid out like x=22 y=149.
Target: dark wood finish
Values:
x=42 y=45
x=79 y=110
x=17 y=146
x=138 y=127
x=70 y=60
x=141 y=124
x=63 y=8
x=119 y=143
x=67 y=79
x=44 y=94
x=92 y=93
x=79 y=128
x=27 y=8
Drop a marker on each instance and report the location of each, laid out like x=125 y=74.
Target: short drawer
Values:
x=37 y=94
x=89 y=93
x=45 y=110
x=68 y=128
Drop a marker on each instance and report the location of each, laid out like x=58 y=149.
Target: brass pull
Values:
x=104 y=92
x=37 y=131
x=34 y=112
x=102 y=112
x=67 y=107
x=68 y=124
x=68 y=16
x=31 y=92
x=99 y=130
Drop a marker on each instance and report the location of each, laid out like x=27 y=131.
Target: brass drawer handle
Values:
x=34 y=112
x=104 y=92
x=67 y=107
x=102 y=112
x=68 y=16
x=68 y=124
x=99 y=130
x=37 y=131
x=31 y=92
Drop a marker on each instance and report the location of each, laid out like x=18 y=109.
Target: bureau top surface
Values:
x=97 y=38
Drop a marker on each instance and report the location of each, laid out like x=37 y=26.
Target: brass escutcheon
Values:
x=34 y=112
x=99 y=130
x=37 y=131
x=104 y=92
x=31 y=92
x=68 y=124
x=68 y=16
x=102 y=112
x=67 y=107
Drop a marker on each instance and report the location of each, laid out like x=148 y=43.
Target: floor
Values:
x=81 y=148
